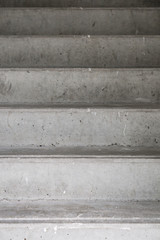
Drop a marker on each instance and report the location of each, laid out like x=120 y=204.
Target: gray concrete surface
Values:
x=79 y=211
x=80 y=231
x=51 y=21
x=79 y=3
x=59 y=86
x=80 y=177
x=80 y=51
x=79 y=126
x=87 y=136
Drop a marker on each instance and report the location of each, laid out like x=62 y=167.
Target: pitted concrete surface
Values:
x=51 y=21
x=120 y=178
x=80 y=231
x=62 y=127
x=79 y=86
x=79 y=51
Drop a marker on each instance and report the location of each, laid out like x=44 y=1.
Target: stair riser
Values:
x=80 y=178
x=77 y=21
x=79 y=127
x=94 y=87
x=79 y=3
x=80 y=51
x=79 y=232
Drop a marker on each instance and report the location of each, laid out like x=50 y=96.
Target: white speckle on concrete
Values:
x=89 y=69
x=94 y=113
x=88 y=36
x=55 y=229
x=144 y=40
x=125 y=228
x=45 y=229
x=64 y=192
x=88 y=110
x=79 y=215
x=142 y=100
x=26 y=180
x=124 y=130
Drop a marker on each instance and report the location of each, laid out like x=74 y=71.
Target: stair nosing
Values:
x=114 y=69
x=81 y=8
x=78 y=36
x=39 y=107
x=80 y=211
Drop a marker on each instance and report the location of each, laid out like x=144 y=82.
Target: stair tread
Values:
x=80 y=51
x=51 y=127
x=68 y=21
x=79 y=211
x=95 y=86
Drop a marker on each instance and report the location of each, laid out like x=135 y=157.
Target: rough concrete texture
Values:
x=50 y=21
x=57 y=127
x=80 y=231
x=82 y=212
x=79 y=86
x=80 y=51
x=82 y=137
x=105 y=177
x=80 y=3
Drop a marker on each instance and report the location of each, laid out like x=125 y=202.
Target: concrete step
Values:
x=51 y=21
x=95 y=86
x=80 y=51
x=93 y=173
x=80 y=126
x=80 y=231
x=79 y=3
x=80 y=220
x=85 y=212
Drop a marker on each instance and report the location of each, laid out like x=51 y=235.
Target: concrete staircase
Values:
x=80 y=119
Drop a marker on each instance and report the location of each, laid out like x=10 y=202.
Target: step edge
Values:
x=79 y=37
x=85 y=107
x=81 y=69
x=80 y=8
x=36 y=218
